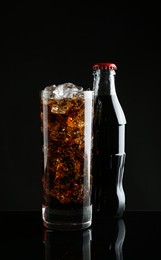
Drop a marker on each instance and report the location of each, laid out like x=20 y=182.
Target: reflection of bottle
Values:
x=67 y=245
x=109 y=144
x=107 y=239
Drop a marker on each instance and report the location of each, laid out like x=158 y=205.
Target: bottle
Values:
x=109 y=144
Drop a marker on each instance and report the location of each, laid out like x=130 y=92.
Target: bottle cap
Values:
x=104 y=66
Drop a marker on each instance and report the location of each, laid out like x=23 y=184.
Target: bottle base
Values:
x=67 y=220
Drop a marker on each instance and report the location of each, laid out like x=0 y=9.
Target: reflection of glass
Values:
x=67 y=245
x=107 y=239
x=66 y=125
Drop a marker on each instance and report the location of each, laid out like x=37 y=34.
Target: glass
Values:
x=67 y=143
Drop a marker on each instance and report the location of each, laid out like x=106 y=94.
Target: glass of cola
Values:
x=66 y=116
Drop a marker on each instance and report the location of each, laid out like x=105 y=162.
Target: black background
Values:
x=47 y=43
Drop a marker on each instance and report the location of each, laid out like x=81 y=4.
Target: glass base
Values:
x=74 y=219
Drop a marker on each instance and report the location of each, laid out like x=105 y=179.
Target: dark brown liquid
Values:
x=109 y=157
x=65 y=178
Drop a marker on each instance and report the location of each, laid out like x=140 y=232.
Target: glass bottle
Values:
x=109 y=144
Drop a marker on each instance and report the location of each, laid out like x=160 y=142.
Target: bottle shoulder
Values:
x=110 y=109
x=118 y=110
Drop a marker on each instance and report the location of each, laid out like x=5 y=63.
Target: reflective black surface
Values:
x=135 y=236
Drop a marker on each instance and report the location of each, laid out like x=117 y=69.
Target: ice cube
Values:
x=65 y=90
x=47 y=92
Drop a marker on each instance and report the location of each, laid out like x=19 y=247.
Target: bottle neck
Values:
x=104 y=82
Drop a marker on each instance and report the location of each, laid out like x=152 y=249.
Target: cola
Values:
x=109 y=144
